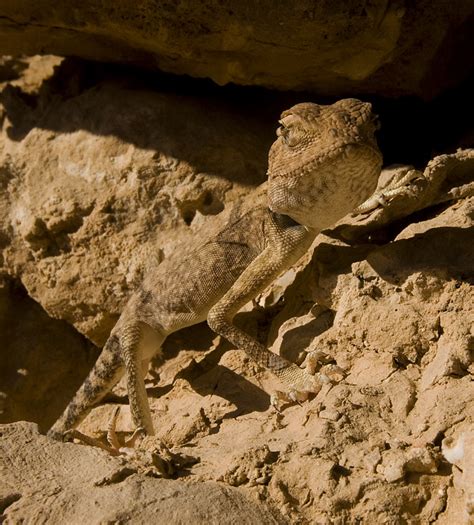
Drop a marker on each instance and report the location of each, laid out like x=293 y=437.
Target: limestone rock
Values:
x=71 y=489
x=389 y=48
x=101 y=183
x=94 y=187
x=459 y=451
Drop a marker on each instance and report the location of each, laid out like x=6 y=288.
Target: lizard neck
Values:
x=320 y=196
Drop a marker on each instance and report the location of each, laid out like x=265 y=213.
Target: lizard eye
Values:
x=291 y=135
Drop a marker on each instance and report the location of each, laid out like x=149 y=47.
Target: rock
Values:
x=455 y=350
x=372 y=459
x=332 y=415
x=459 y=451
x=397 y=463
x=110 y=182
x=402 y=394
x=388 y=48
x=252 y=467
x=71 y=488
x=420 y=459
x=393 y=470
x=392 y=332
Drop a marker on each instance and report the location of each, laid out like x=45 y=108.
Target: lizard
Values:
x=324 y=162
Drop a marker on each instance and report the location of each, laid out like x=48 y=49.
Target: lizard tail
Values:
x=107 y=371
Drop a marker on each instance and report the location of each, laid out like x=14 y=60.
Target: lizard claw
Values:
x=72 y=434
x=114 y=447
x=161 y=458
x=278 y=399
x=112 y=438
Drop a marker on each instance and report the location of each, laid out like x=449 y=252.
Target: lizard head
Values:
x=324 y=163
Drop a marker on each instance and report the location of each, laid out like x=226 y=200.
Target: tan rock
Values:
x=459 y=451
x=329 y=48
x=111 y=182
x=85 y=485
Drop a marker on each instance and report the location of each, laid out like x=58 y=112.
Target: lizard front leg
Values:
x=287 y=242
x=398 y=185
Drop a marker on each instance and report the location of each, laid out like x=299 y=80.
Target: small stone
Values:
x=421 y=460
x=372 y=459
x=333 y=372
x=263 y=480
x=393 y=472
x=332 y=415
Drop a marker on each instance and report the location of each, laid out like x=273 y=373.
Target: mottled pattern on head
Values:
x=324 y=162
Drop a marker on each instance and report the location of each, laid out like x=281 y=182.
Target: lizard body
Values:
x=324 y=163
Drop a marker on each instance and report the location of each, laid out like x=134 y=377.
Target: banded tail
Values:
x=107 y=371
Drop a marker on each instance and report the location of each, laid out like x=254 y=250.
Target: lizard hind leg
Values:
x=137 y=349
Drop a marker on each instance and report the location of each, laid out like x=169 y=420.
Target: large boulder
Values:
x=382 y=47
x=100 y=183
x=83 y=485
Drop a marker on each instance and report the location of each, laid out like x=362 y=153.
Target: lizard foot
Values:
x=319 y=370
x=114 y=447
x=160 y=459
x=307 y=384
x=279 y=398
x=399 y=184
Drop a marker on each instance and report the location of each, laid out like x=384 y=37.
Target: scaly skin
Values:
x=324 y=163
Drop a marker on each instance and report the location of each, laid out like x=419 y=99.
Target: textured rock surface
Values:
x=395 y=315
x=458 y=449
x=385 y=47
x=94 y=190
x=35 y=489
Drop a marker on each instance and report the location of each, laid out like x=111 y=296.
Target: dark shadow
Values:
x=11 y=68
x=237 y=390
x=208 y=377
x=43 y=361
x=385 y=233
x=216 y=130
x=447 y=252
x=197 y=338
x=146 y=108
x=297 y=339
x=414 y=131
x=340 y=258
